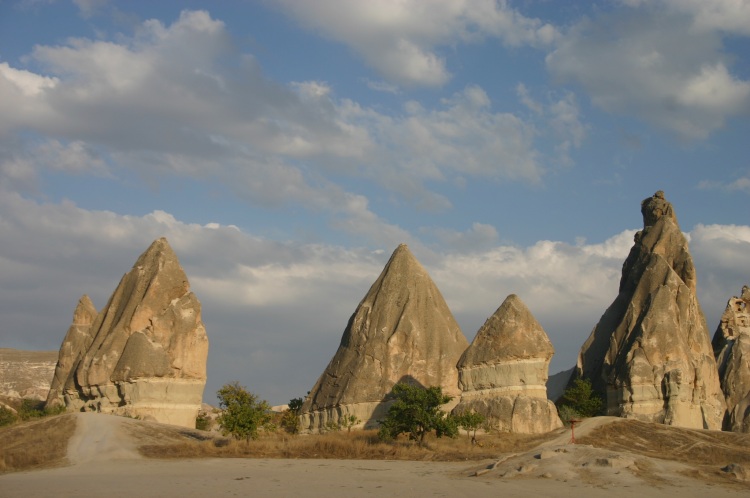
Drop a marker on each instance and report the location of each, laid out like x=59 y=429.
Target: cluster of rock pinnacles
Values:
x=649 y=356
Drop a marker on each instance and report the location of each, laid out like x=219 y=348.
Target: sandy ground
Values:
x=105 y=462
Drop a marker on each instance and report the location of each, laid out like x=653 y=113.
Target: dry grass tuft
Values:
x=35 y=444
x=691 y=446
x=357 y=445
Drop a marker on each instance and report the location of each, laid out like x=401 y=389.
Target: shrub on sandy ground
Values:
x=37 y=443
x=7 y=416
x=33 y=408
x=243 y=413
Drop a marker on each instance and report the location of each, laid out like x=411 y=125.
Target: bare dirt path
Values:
x=100 y=437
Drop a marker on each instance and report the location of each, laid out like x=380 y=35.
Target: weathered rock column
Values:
x=503 y=373
x=650 y=353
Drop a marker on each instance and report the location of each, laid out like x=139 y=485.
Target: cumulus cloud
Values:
x=658 y=64
x=730 y=16
x=401 y=40
x=163 y=103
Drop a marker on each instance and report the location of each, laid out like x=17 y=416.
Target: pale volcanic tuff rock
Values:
x=401 y=331
x=504 y=371
x=149 y=348
x=75 y=344
x=732 y=347
x=650 y=353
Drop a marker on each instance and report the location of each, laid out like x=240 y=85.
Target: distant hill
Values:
x=26 y=374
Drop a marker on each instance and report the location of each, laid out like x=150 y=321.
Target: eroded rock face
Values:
x=148 y=349
x=26 y=374
x=732 y=347
x=401 y=331
x=650 y=352
x=74 y=346
x=503 y=373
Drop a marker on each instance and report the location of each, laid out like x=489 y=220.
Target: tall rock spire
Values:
x=75 y=344
x=504 y=372
x=732 y=347
x=650 y=353
x=148 y=347
x=401 y=331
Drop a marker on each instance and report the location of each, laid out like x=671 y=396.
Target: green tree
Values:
x=416 y=411
x=581 y=398
x=295 y=405
x=470 y=421
x=243 y=414
x=290 y=417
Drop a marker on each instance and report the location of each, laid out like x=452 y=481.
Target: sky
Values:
x=285 y=149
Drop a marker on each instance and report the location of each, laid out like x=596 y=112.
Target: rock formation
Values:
x=732 y=347
x=26 y=374
x=650 y=353
x=74 y=346
x=401 y=331
x=148 y=348
x=504 y=371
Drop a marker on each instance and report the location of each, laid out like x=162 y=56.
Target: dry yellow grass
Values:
x=358 y=445
x=35 y=444
x=672 y=443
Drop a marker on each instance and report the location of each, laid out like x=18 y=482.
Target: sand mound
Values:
x=613 y=453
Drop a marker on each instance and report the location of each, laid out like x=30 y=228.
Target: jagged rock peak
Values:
x=402 y=330
x=655 y=207
x=149 y=347
x=731 y=345
x=650 y=353
x=75 y=344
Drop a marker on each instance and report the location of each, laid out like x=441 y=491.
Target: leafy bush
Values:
x=30 y=409
x=290 y=417
x=582 y=399
x=7 y=416
x=203 y=422
x=470 y=421
x=416 y=412
x=243 y=414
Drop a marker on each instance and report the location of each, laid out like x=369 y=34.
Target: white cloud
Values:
x=647 y=62
x=741 y=184
x=161 y=104
x=730 y=16
x=89 y=8
x=401 y=40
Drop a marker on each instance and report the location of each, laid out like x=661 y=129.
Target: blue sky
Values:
x=286 y=148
